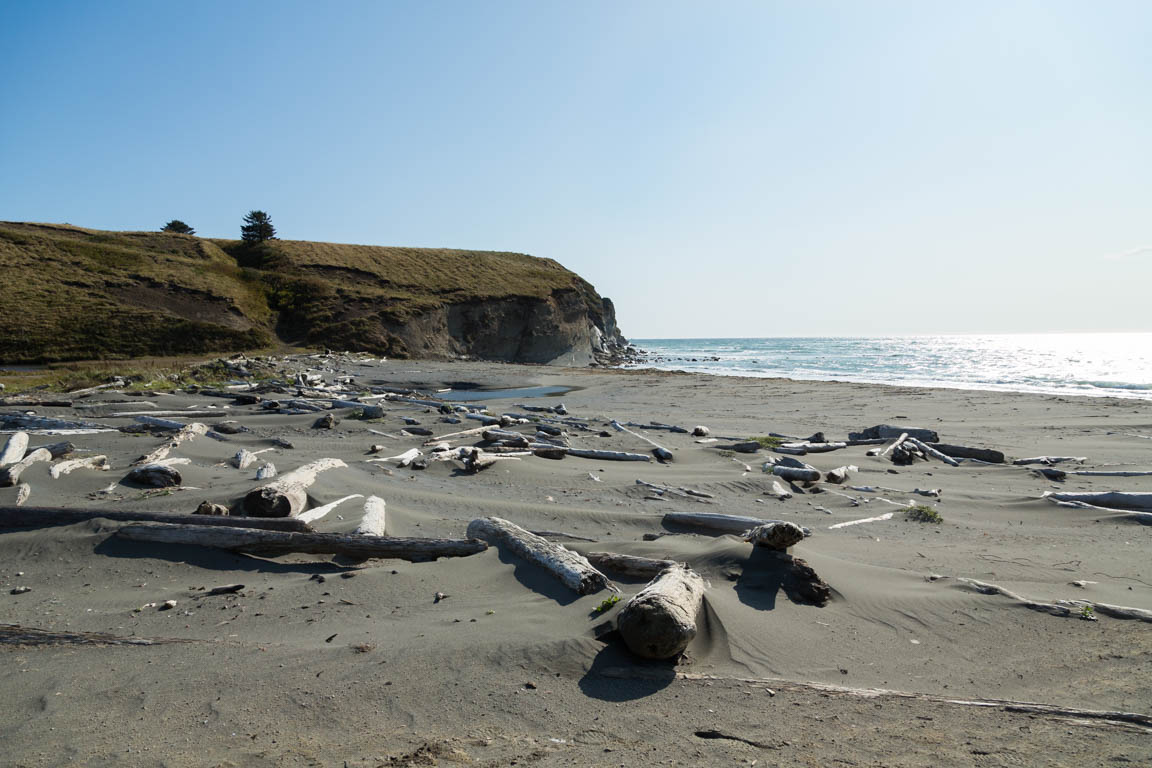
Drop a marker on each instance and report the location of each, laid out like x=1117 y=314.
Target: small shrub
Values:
x=607 y=604
x=924 y=514
x=768 y=442
x=1088 y=613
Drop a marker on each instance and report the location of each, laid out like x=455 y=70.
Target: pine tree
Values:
x=178 y=227
x=257 y=228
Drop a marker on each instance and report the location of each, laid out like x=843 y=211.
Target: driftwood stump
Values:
x=660 y=620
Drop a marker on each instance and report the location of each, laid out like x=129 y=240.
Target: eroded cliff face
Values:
x=558 y=330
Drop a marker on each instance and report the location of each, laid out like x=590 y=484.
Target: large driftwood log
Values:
x=14 y=449
x=737 y=524
x=273 y=543
x=373 y=522
x=35 y=517
x=778 y=535
x=287 y=495
x=571 y=568
x=10 y=475
x=41 y=423
x=1113 y=499
x=629 y=565
x=660 y=620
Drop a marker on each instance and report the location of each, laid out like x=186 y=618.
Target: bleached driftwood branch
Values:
x=571 y=568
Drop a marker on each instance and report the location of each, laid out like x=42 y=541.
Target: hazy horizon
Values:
x=741 y=170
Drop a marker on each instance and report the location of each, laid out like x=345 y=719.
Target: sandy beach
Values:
x=489 y=660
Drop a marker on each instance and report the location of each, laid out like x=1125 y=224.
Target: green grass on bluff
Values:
x=68 y=293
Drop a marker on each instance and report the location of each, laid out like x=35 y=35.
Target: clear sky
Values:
x=717 y=168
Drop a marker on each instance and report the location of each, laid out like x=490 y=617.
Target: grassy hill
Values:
x=68 y=293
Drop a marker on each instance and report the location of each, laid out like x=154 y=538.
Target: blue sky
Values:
x=718 y=169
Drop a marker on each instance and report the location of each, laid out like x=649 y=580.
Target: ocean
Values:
x=1095 y=364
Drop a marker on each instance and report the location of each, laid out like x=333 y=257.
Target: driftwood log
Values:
x=10 y=475
x=155 y=475
x=99 y=462
x=260 y=542
x=888 y=432
x=727 y=523
x=796 y=474
x=1048 y=460
x=629 y=565
x=1113 y=499
x=660 y=452
x=660 y=620
x=777 y=535
x=964 y=452
x=37 y=517
x=938 y=455
x=14 y=449
x=571 y=568
x=586 y=453
x=373 y=522
x=287 y=495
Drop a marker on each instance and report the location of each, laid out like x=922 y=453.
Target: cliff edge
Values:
x=71 y=294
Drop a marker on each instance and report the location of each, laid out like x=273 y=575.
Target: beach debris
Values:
x=243 y=459
x=10 y=475
x=312 y=515
x=436 y=598
x=805 y=447
x=839 y=476
x=167 y=605
x=878 y=518
x=745 y=446
x=737 y=524
x=287 y=496
x=661 y=453
x=19 y=590
x=229 y=428
x=659 y=621
x=184 y=433
x=99 y=462
x=154 y=475
x=266 y=472
x=14 y=449
x=930 y=451
x=403 y=459
x=373 y=522
x=778 y=491
x=211 y=508
x=1082 y=609
x=327 y=421
x=23 y=491
x=701 y=431
x=684 y=493
x=656 y=425
x=571 y=568
x=273 y=543
x=1049 y=460
x=227 y=589
x=887 y=432
x=629 y=565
